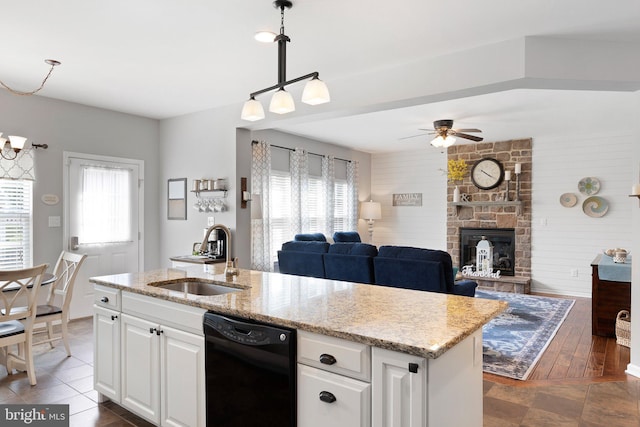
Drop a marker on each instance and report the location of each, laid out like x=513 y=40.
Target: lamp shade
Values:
x=252 y=110
x=370 y=210
x=17 y=142
x=282 y=102
x=315 y=92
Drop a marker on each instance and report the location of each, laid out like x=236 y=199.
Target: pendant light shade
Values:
x=17 y=142
x=315 y=92
x=282 y=102
x=252 y=110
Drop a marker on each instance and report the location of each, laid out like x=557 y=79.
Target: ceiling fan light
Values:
x=265 y=36
x=17 y=142
x=449 y=141
x=315 y=92
x=438 y=142
x=252 y=110
x=282 y=102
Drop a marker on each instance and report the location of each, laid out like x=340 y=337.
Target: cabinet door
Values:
x=106 y=354
x=399 y=395
x=141 y=367
x=327 y=399
x=182 y=379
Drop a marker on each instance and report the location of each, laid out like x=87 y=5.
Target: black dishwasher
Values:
x=251 y=373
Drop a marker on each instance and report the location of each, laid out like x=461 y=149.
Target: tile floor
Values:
x=69 y=380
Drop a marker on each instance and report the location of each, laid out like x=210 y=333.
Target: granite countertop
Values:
x=420 y=323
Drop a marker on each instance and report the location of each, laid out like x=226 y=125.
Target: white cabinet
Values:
x=141 y=367
x=333 y=382
x=328 y=399
x=399 y=386
x=149 y=357
x=163 y=373
x=106 y=353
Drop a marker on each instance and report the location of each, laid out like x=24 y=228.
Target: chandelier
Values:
x=315 y=91
x=51 y=62
x=15 y=144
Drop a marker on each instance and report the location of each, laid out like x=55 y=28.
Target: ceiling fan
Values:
x=445 y=134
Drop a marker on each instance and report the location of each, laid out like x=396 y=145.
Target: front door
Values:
x=101 y=220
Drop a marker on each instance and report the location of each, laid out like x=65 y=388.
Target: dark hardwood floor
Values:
x=574 y=355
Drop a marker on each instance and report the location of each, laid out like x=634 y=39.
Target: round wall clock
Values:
x=487 y=173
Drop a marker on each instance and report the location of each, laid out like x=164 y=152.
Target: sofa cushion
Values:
x=409 y=274
x=306 y=246
x=310 y=237
x=346 y=236
x=363 y=249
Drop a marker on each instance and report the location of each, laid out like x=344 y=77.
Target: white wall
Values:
x=420 y=171
x=562 y=238
x=194 y=146
x=66 y=126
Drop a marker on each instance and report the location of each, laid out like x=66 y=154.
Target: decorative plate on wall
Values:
x=568 y=200
x=589 y=186
x=595 y=206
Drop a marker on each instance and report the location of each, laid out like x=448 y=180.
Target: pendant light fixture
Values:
x=315 y=92
x=52 y=62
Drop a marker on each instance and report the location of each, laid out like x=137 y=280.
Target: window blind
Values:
x=280 y=210
x=16 y=217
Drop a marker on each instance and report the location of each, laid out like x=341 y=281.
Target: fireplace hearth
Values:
x=502 y=240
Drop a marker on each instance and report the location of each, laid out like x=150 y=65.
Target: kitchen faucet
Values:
x=230 y=269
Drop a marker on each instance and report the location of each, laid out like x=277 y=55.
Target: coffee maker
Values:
x=217 y=244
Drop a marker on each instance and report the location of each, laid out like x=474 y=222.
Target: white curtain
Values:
x=299 y=167
x=260 y=227
x=22 y=167
x=352 y=199
x=105 y=207
x=328 y=193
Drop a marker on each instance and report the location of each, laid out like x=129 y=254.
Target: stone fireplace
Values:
x=488 y=210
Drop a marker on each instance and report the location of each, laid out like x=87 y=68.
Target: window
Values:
x=280 y=210
x=340 y=206
x=16 y=217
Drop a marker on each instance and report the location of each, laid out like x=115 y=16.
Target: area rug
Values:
x=514 y=340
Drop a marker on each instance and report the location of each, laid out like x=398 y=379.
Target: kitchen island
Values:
x=438 y=336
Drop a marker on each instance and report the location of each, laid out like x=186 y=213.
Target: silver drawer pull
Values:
x=327 y=397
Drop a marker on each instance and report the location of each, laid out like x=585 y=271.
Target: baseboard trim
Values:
x=633 y=370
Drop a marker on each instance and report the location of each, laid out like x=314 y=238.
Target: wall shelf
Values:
x=224 y=192
x=636 y=195
x=458 y=205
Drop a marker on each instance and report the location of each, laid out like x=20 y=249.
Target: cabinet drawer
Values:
x=107 y=297
x=349 y=358
x=351 y=407
x=180 y=316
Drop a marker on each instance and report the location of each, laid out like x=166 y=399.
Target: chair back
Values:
x=66 y=270
x=15 y=287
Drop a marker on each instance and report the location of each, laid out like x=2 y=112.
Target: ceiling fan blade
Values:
x=466 y=130
x=471 y=137
x=412 y=136
x=428 y=130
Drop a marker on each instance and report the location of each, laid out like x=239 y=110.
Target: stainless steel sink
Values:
x=195 y=287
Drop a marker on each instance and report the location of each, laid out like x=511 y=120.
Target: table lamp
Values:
x=370 y=211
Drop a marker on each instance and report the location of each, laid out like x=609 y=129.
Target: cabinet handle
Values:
x=104 y=300
x=152 y=330
x=114 y=317
x=327 y=359
x=159 y=331
x=413 y=368
x=327 y=397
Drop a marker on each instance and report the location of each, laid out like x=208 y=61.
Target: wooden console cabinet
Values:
x=607 y=299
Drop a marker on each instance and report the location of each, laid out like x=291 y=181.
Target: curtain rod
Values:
x=313 y=154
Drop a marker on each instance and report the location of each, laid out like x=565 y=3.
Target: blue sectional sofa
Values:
x=419 y=269
x=396 y=266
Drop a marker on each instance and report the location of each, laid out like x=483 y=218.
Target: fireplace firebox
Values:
x=502 y=240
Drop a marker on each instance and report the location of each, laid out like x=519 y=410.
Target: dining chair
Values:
x=16 y=320
x=59 y=298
